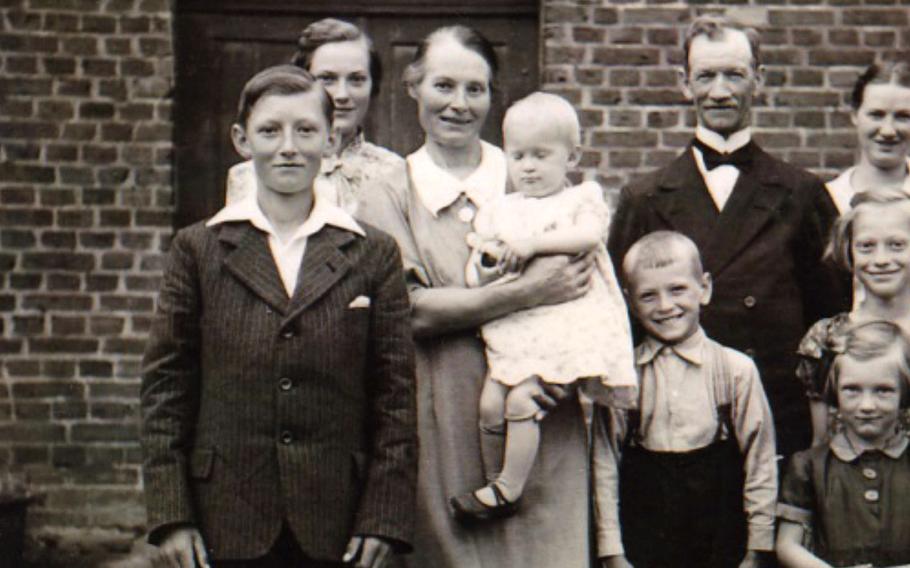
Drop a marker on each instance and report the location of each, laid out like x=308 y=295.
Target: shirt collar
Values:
x=437 y=188
x=690 y=349
x=844 y=450
x=323 y=213
x=723 y=145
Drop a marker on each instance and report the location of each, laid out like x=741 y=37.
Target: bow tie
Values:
x=741 y=158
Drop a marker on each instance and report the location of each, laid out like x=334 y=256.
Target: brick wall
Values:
x=615 y=60
x=86 y=198
x=85 y=212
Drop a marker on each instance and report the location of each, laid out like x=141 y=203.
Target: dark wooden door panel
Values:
x=219 y=45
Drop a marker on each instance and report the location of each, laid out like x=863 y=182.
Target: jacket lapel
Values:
x=324 y=264
x=755 y=199
x=683 y=201
x=251 y=262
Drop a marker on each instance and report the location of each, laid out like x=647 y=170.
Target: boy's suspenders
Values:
x=723 y=387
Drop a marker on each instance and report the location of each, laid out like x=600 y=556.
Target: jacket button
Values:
x=869 y=473
x=286 y=438
x=285 y=384
x=288 y=334
x=871 y=495
x=749 y=301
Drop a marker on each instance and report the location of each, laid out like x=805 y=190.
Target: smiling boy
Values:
x=278 y=383
x=689 y=479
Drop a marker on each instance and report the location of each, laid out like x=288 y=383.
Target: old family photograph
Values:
x=512 y=283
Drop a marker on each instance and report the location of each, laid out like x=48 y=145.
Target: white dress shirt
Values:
x=288 y=254
x=720 y=180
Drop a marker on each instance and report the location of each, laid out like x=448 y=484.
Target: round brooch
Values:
x=466 y=214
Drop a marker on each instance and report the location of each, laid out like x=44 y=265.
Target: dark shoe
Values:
x=468 y=509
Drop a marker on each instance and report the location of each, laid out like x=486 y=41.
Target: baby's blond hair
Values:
x=547 y=108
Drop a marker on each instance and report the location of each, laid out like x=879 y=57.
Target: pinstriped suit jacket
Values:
x=258 y=409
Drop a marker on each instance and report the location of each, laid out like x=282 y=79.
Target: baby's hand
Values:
x=515 y=255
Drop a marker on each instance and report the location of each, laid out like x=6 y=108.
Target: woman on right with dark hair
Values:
x=881 y=115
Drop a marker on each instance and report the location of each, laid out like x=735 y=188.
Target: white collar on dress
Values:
x=894 y=448
x=723 y=145
x=437 y=188
x=842 y=191
x=324 y=212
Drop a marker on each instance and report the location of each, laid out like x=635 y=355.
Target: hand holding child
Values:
x=515 y=254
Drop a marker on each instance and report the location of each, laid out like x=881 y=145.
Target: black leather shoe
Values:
x=468 y=509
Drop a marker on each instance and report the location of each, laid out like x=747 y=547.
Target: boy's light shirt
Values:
x=438 y=189
x=720 y=180
x=289 y=254
x=686 y=420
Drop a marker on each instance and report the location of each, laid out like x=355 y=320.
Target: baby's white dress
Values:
x=588 y=337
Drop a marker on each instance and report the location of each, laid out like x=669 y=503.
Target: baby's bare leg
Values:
x=492 y=427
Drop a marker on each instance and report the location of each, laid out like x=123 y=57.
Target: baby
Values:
x=586 y=339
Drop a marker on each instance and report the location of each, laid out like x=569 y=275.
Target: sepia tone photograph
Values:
x=454 y=284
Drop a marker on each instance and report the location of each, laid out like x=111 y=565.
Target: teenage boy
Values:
x=278 y=384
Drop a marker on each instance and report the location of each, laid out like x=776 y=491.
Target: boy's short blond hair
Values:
x=659 y=249
x=547 y=108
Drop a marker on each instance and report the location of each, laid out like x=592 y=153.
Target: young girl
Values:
x=587 y=338
x=853 y=494
x=872 y=240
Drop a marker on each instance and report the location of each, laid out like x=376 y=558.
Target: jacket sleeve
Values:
x=627 y=226
x=388 y=502
x=609 y=429
x=825 y=289
x=170 y=391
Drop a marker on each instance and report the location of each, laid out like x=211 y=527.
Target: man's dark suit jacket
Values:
x=764 y=252
x=259 y=410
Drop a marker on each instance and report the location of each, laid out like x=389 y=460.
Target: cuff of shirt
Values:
x=761 y=537
x=609 y=543
x=793 y=514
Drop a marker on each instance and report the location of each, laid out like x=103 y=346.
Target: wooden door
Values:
x=219 y=45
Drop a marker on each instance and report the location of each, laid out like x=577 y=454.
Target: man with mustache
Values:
x=760 y=223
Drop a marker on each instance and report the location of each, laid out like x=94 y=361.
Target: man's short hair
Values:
x=714 y=26
x=280 y=80
x=547 y=108
x=659 y=249
x=874 y=340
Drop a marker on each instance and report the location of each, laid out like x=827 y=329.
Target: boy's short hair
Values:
x=280 y=80
x=840 y=247
x=659 y=249
x=548 y=108
x=714 y=26
x=874 y=340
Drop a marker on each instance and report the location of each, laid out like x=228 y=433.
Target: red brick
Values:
x=17 y=196
x=68 y=325
x=32 y=411
x=58 y=302
x=24 y=64
x=875 y=17
x=841 y=57
x=629 y=139
x=58 y=261
x=84 y=432
x=626 y=56
x=801 y=17
x=96 y=368
x=62 y=345
x=672 y=16
x=31 y=432
x=28 y=325
x=58 y=368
